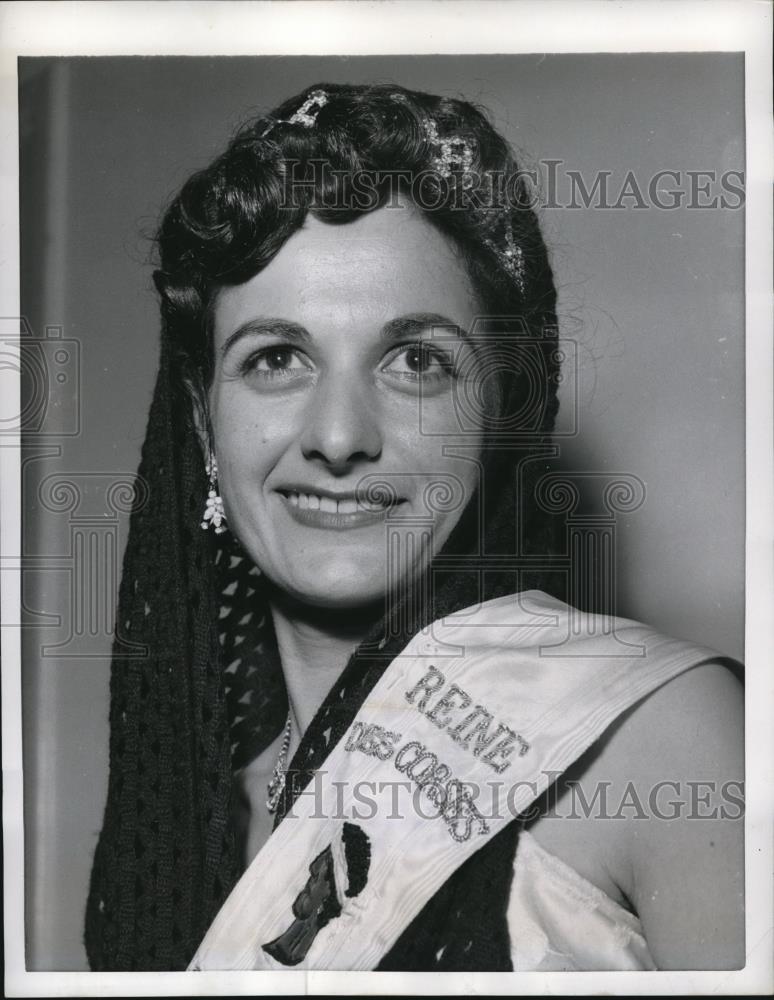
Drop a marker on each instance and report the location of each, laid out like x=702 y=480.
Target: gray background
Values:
x=653 y=298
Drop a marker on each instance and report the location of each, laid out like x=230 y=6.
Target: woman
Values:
x=358 y=385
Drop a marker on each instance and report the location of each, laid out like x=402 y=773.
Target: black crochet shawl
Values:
x=197 y=691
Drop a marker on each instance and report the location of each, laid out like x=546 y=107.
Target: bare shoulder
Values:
x=657 y=818
x=678 y=751
x=677 y=758
x=695 y=718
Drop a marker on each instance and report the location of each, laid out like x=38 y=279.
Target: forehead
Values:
x=387 y=263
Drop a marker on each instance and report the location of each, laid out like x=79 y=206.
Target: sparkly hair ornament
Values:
x=511 y=256
x=306 y=115
x=456 y=153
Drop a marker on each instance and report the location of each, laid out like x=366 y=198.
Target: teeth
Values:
x=311 y=501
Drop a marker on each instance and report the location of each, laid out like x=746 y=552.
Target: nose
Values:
x=342 y=425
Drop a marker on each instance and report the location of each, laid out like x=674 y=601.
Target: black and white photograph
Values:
x=387 y=498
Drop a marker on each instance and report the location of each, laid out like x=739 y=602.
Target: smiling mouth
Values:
x=329 y=505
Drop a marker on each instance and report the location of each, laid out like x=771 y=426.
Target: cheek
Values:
x=454 y=487
x=427 y=417
x=249 y=436
x=446 y=460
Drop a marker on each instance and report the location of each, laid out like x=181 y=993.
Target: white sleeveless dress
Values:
x=561 y=922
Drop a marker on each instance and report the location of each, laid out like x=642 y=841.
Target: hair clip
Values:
x=306 y=114
x=317 y=99
x=454 y=150
x=511 y=256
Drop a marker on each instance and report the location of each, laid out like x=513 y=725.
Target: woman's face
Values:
x=336 y=368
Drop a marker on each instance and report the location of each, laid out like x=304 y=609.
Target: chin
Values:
x=340 y=588
x=342 y=602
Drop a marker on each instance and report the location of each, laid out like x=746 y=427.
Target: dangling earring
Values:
x=214 y=514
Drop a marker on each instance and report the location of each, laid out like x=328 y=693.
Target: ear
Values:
x=200 y=414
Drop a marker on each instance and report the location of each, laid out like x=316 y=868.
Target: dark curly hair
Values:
x=365 y=144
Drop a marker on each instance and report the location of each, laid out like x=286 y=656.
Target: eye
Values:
x=276 y=362
x=421 y=362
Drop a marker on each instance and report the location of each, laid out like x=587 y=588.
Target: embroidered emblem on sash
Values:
x=318 y=902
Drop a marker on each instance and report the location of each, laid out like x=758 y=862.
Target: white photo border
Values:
x=419 y=27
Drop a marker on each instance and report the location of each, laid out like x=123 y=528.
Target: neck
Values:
x=314 y=646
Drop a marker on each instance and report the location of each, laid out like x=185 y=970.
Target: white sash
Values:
x=504 y=696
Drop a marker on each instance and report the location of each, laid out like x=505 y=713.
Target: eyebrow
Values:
x=408 y=325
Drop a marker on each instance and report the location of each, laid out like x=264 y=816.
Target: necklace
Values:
x=276 y=785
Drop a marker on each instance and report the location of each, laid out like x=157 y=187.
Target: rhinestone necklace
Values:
x=276 y=785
